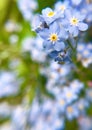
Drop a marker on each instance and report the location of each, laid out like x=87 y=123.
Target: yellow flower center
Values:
x=70 y=109
x=53 y=37
x=51 y=14
x=74 y=21
x=69 y=95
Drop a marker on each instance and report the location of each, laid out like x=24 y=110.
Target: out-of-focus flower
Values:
x=69 y=95
x=71 y=112
x=62 y=6
x=82 y=104
x=5 y=110
x=85 y=123
x=44 y=118
x=84 y=54
x=27 y=7
x=76 y=23
x=76 y=3
x=12 y=26
x=34 y=46
x=13 y=39
x=8 y=84
x=19 y=118
x=76 y=86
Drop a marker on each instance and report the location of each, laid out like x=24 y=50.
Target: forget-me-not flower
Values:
x=53 y=37
x=75 y=22
x=50 y=15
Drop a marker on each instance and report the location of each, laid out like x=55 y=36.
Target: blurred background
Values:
x=23 y=66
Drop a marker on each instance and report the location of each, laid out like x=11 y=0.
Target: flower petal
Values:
x=46 y=11
x=44 y=33
x=76 y=31
x=59 y=46
x=73 y=30
x=47 y=45
x=54 y=27
x=63 y=34
x=82 y=26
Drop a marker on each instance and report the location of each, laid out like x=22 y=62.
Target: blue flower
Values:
x=58 y=123
x=72 y=112
x=76 y=86
x=45 y=116
x=53 y=37
x=69 y=95
x=88 y=12
x=61 y=71
x=76 y=2
x=62 y=6
x=49 y=15
x=27 y=8
x=84 y=53
x=75 y=22
x=60 y=56
x=8 y=84
x=19 y=118
x=85 y=122
x=82 y=104
x=5 y=110
x=61 y=103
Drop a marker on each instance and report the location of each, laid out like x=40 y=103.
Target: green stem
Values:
x=69 y=43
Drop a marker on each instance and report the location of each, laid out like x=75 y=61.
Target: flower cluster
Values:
x=62 y=27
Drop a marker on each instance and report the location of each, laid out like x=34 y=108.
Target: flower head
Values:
x=75 y=23
x=50 y=16
x=53 y=37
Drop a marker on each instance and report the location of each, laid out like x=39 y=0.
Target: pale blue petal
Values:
x=54 y=27
x=76 y=31
x=59 y=46
x=68 y=13
x=82 y=26
x=63 y=34
x=44 y=34
x=76 y=2
x=46 y=11
x=81 y=17
x=47 y=45
x=71 y=29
